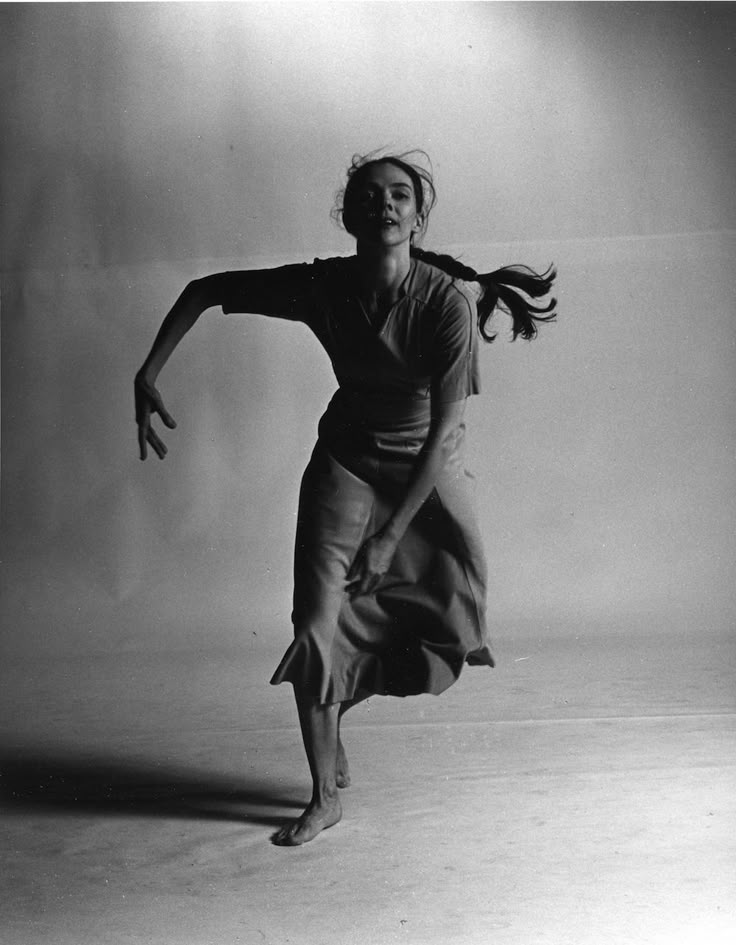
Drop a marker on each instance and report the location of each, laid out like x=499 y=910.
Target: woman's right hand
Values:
x=148 y=401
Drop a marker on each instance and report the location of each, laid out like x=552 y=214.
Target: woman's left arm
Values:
x=374 y=557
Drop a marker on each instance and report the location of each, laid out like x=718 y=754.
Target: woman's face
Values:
x=383 y=207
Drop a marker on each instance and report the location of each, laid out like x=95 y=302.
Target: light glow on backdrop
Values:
x=148 y=144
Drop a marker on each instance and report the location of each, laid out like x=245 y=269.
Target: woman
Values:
x=389 y=592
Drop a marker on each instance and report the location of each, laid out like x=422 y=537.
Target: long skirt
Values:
x=427 y=616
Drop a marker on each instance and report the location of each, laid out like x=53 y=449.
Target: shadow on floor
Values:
x=68 y=783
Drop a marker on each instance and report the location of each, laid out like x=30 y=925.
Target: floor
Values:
x=583 y=793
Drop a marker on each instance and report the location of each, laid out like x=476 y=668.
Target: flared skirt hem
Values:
x=427 y=617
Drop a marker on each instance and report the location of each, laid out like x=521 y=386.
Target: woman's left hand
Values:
x=371 y=563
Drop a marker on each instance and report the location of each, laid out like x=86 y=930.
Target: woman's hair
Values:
x=500 y=287
x=500 y=291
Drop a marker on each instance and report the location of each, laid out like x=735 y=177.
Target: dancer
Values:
x=389 y=571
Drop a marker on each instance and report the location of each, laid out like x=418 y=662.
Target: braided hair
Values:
x=502 y=288
x=500 y=291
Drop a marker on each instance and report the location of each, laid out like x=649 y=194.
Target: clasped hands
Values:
x=371 y=563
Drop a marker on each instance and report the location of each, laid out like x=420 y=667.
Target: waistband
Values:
x=403 y=415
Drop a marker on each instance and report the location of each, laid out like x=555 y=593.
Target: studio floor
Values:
x=583 y=793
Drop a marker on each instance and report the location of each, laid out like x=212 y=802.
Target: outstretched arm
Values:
x=277 y=292
x=195 y=298
x=374 y=557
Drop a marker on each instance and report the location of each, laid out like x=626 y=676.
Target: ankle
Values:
x=325 y=794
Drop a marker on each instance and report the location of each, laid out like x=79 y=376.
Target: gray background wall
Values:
x=145 y=144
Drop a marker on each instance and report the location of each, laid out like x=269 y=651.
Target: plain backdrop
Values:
x=144 y=145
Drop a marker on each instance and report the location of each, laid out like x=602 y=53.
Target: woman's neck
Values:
x=383 y=269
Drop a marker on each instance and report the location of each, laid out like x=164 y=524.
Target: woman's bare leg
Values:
x=342 y=770
x=319 y=725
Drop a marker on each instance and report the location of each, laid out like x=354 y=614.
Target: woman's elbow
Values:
x=204 y=292
x=447 y=436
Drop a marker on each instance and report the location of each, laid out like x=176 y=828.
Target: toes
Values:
x=286 y=836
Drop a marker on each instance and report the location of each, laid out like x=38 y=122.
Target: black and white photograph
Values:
x=368 y=532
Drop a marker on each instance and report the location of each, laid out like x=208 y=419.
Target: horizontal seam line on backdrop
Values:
x=279 y=259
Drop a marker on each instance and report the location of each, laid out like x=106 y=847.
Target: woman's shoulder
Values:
x=437 y=289
x=333 y=265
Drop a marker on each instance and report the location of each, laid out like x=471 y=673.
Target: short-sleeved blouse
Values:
x=426 y=348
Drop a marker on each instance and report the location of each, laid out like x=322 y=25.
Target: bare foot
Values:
x=342 y=770
x=316 y=818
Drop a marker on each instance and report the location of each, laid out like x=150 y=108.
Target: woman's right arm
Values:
x=278 y=292
x=195 y=299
